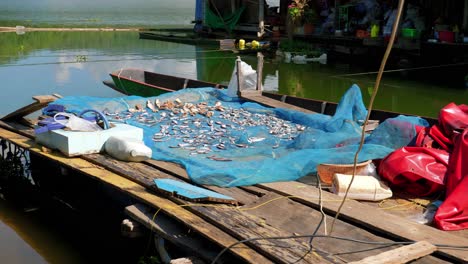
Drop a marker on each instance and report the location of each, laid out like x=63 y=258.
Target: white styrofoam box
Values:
x=74 y=143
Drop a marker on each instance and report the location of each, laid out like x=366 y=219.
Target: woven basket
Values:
x=326 y=171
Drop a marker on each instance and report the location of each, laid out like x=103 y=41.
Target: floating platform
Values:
x=290 y=211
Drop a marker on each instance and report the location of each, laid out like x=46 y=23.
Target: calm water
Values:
x=91 y=13
x=71 y=63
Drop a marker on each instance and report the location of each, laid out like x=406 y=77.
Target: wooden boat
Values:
x=132 y=81
x=177 y=37
x=281 y=209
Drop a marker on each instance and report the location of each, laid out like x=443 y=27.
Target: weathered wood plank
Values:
x=236 y=223
x=144 y=174
x=302 y=219
x=286 y=214
x=368 y=217
x=139 y=192
x=280 y=255
x=172 y=231
x=40 y=102
x=400 y=255
x=273 y=103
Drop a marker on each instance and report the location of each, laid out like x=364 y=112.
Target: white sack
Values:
x=127 y=149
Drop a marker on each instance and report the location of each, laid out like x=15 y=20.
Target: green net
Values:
x=228 y=21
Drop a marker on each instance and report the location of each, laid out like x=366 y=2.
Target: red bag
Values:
x=419 y=171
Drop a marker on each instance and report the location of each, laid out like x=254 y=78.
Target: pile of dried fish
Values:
x=204 y=129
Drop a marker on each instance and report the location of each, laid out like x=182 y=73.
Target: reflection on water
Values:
x=24 y=239
x=76 y=63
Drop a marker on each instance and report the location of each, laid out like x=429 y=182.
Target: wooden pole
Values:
x=259 y=71
x=261 y=18
x=239 y=76
x=465 y=16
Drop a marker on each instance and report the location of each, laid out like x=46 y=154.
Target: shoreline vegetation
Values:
x=31 y=29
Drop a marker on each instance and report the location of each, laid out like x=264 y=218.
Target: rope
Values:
x=118 y=60
x=404 y=69
x=371 y=103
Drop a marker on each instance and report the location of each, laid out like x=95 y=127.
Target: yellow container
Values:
x=241 y=44
x=374 y=31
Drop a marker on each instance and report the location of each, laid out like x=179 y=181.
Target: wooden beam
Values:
x=367 y=216
x=40 y=102
x=400 y=255
x=172 y=231
x=263 y=100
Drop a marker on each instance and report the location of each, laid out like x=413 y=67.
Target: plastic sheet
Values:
x=438 y=163
x=264 y=156
x=417 y=170
x=453 y=213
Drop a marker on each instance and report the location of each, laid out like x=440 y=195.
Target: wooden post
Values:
x=261 y=18
x=465 y=16
x=259 y=71
x=233 y=6
x=239 y=76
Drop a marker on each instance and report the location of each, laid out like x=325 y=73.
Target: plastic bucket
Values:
x=326 y=171
x=446 y=36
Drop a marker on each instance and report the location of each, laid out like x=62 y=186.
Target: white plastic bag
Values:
x=127 y=149
x=75 y=123
x=249 y=77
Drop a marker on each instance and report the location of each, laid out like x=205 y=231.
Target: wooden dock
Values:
x=288 y=211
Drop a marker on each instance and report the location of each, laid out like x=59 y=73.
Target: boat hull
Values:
x=144 y=83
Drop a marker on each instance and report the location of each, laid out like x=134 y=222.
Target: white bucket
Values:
x=364 y=187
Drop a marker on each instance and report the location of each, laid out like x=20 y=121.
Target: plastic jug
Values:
x=241 y=44
x=375 y=31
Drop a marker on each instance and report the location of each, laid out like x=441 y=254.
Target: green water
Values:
x=76 y=63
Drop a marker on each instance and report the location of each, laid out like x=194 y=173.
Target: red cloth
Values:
x=453 y=213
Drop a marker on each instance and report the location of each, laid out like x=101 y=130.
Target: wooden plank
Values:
x=302 y=219
x=173 y=232
x=144 y=175
x=273 y=103
x=40 y=102
x=139 y=192
x=234 y=222
x=400 y=255
x=370 y=218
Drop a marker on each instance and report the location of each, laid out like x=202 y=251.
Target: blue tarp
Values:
x=247 y=143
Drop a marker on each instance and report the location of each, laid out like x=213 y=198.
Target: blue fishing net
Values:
x=224 y=141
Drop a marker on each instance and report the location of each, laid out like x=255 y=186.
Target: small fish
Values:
x=151 y=106
x=255 y=139
x=218 y=158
